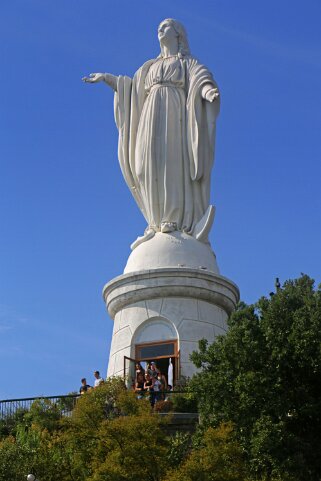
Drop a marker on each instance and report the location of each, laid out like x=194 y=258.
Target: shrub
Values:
x=163 y=406
x=184 y=403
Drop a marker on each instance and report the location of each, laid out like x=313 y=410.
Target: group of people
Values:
x=150 y=381
x=86 y=387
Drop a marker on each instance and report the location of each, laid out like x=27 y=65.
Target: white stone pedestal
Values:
x=167 y=303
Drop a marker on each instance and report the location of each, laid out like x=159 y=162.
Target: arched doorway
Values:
x=156 y=340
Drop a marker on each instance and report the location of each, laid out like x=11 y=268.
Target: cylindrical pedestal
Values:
x=167 y=304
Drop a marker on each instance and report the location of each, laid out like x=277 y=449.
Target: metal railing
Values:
x=15 y=408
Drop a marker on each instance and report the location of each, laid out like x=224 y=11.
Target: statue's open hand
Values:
x=212 y=94
x=108 y=78
x=94 y=77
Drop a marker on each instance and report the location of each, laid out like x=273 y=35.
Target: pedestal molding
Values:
x=130 y=288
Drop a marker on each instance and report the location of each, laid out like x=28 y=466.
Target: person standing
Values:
x=98 y=380
x=163 y=387
x=153 y=371
x=149 y=387
x=139 y=385
x=84 y=386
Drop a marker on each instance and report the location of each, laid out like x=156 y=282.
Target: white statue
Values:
x=166 y=119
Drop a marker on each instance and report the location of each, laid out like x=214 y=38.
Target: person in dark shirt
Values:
x=139 y=369
x=84 y=386
x=139 y=385
x=149 y=386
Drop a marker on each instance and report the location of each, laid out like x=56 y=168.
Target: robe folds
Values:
x=167 y=139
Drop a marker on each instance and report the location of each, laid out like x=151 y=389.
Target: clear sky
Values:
x=67 y=218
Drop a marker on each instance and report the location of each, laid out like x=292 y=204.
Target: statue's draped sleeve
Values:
x=201 y=121
x=128 y=104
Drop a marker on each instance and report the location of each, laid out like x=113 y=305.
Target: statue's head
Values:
x=174 y=28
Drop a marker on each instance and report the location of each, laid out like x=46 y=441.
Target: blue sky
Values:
x=67 y=219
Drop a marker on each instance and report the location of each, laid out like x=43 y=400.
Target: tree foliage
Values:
x=259 y=395
x=264 y=376
x=111 y=436
x=130 y=448
x=220 y=458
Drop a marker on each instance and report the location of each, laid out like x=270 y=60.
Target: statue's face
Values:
x=166 y=32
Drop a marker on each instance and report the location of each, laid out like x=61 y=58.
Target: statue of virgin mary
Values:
x=166 y=116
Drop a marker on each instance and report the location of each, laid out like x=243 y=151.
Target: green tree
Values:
x=130 y=448
x=9 y=423
x=265 y=377
x=44 y=413
x=219 y=458
x=13 y=460
x=81 y=433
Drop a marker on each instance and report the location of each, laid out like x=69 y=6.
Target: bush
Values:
x=98 y=404
x=184 y=403
x=219 y=459
x=179 y=447
x=163 y=406
x=43 y=413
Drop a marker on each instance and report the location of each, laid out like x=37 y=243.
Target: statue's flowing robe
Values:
x=166 y=140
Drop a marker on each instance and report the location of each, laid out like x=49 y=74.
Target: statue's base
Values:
x=176 y=305
x=175 y=249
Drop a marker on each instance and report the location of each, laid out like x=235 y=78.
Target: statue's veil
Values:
x=183 y=46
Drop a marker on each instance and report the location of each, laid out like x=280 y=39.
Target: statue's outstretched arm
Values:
x=209 y=92
x=108 y=78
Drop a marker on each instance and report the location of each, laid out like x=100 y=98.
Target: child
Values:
x=157 y=389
